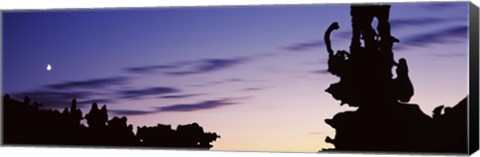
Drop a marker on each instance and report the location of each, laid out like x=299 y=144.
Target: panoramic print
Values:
x=275 y=78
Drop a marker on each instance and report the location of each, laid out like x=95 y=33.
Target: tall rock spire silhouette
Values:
x=384 y=120
x=366 y=70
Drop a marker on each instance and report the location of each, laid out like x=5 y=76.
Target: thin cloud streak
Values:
x=90 y=84
x=322 y=71
x=210 y=65
x=316 y=133
x=139 y=93
x=442 y=5
x=191 y=67
x=450 y=55
x=54 y=99
x=401 y=23
x=130 y=112
x=212 y=83
x=98 y=101
x=179 y=96
x=305 y=45
x=151 y=68
x=56 y=95
x=446 y=36
x=253 y=89
x=204 y=105
x=343 y=34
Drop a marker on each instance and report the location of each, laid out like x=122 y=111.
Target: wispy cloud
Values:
x=209 y=65
x=450 y=55
x=139 y=93
x=191 y=67
x=254 y=89
x=152 y=68
x=54 y=99
x=56 y=95
x=129 y=112
x=321 y=71
x=85 y=91
x=93 y=83
x=228 y=80
x=212 y=83
x=305 y=45
x=442 y=5
x=204 y=105
x=316 y=133
x=99 y=101
x=400 y=23
x=179 y=96
x=450 y=35
x=343 y=34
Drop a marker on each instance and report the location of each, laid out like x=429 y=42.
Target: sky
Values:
x=253 y=74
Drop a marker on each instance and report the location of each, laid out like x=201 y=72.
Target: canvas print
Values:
x=277 y=78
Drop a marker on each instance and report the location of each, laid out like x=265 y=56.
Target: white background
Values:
x=82 y=152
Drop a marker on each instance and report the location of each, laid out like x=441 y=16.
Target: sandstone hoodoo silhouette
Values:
x=385 y=119
x=26 y=123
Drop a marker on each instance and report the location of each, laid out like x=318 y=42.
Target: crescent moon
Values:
x=49 y=67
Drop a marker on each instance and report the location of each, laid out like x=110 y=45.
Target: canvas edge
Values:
x=473 y=100
x=1 y=78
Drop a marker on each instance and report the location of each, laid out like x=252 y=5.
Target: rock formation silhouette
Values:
x=384 y=120
x=26 y=123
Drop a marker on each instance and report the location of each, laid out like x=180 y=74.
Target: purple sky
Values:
x=253 y=74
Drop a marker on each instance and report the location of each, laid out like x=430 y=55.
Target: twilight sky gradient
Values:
x=253 y=74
